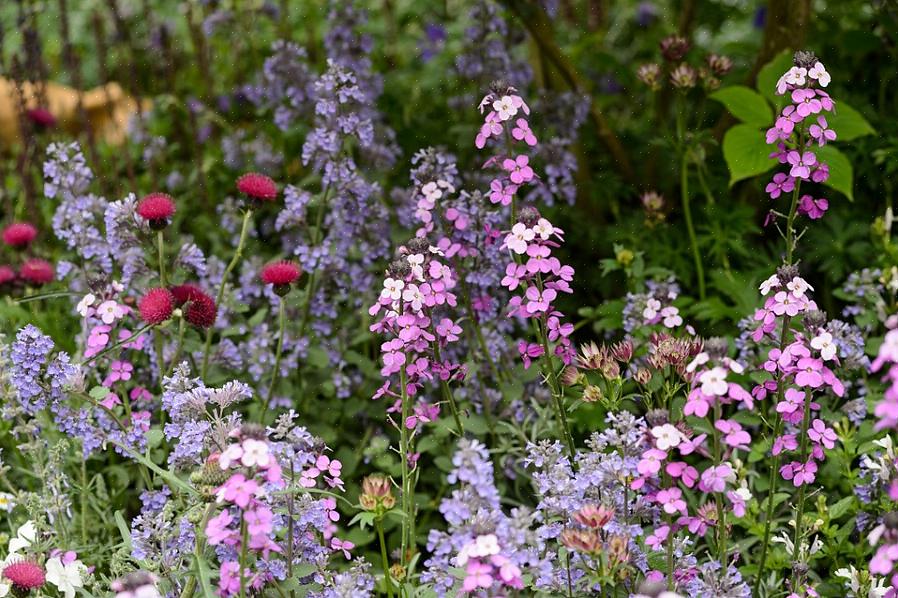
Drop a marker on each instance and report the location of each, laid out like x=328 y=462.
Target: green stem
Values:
x=388 y=580
x=247 y=216
x=282 y=325
x=557 y=394
x=690 y=228
x=199 y=546
x=178 y=347
x=244 y=541
x=83 y=499
x=721 y=512
x=160 y=244
x=805 y=424
x=405 y=452
x=790 y=231
x=447 y=394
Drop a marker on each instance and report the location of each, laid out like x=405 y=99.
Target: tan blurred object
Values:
x=108 y=109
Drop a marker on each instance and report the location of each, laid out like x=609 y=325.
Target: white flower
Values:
x=667 y=436
x=652 y=307
x=519 y=237
x=392 y=289
x=505 y=107
x=700 y=359
x=67 y=578
x=714 y=382
x=25 y=537
x=229 y=455
x=7 y=501
x=486 y=545
x=785 y=541
x=798 y=286
x=412 y=294
x=671 y=316
x=544 y=229
x=823 y=342
x=769 y=284
x=818 y=72
x=85 y=303
x=110 y=311
x=255 y=453
x=432 y=192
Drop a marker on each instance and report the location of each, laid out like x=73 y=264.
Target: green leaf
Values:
x=745 y=104
x=841 y=507
x=841 y=173
x=746 y=153
x=848 y=123
x=771 y=72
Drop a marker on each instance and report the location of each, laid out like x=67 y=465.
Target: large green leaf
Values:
x=848 y=123
x=841 y=174
x=745 y=104
x=771 y=72
x=745 y=152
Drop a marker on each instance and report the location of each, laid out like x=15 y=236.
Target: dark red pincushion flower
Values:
x=257 y=186
x=19 y=234
x=41 y=117
x=280 y=273
x=37 y=271
x=156 y=208
x=199 y=308
x=185 y=292
x=24 y=575
x=7 y=275
x=156 y=306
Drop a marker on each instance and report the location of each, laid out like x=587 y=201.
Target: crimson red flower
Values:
x=24 y=575
x=257 y=186
x=156 y=306
x=156 y=208
x=7 y=275
x=37 y=271
x=19 y=234
x=199 y=309
x=279 y=273
x=41 y=117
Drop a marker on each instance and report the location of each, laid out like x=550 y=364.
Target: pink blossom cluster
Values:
x=255 y=470
x=540 y=278
x=486 y=567
x=802 y=367
x=799 y=127
x=887 y=409
x=417 y=288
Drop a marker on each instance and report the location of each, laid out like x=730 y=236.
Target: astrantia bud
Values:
x=593 y=516
x=37 y=272
x=257 y=187
x=592 y=393
x=623 y=351
x=674 y=48
x=376 y=494
x=19 y=234
x=280 y=275
x=719 y=65
x=570 y=376
x=643 y=376
x=24 y=576
x=587 y=541
x=156 y=306
x=650 y=74
x=157 y=209
x=41 y=118
x=683 y=77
